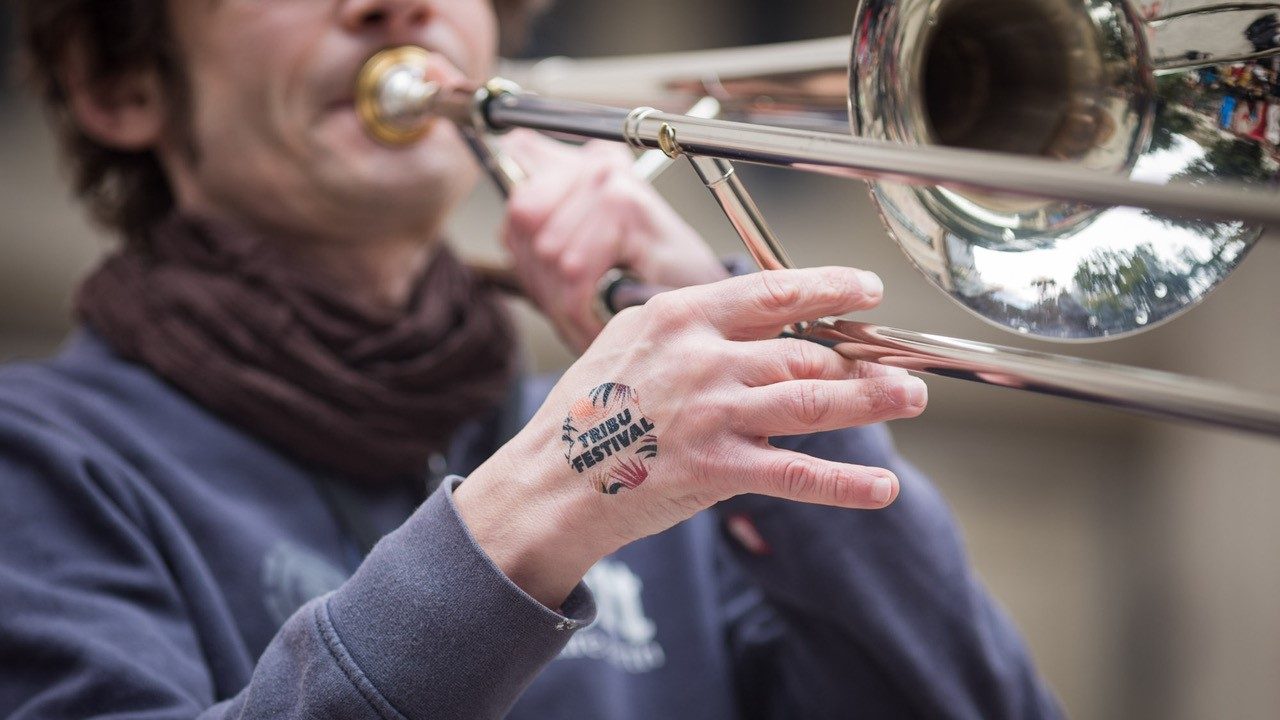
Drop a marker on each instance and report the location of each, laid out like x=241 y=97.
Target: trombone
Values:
x=1105 y=165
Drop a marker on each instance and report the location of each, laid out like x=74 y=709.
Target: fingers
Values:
x=764 y=362
x=870 y=369
x=757 y=306
x=796 y=476
x=534 y=151
x=795 y=407
x=567 y=189
x=532 y=203
x=578 y=274
x=568 y=217
x=537 y=153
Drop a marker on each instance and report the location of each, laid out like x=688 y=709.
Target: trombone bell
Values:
x=1070 y=80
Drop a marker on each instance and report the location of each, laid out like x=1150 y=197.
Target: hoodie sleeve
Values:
x=94 y=623
x=876 y=614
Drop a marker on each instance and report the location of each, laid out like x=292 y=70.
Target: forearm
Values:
x=427 y=628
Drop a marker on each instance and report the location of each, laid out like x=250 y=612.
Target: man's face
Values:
x=277 y=141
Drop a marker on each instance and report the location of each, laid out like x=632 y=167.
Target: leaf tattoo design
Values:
x=567 y=434
x=630 y=472
x=620 y=393
x=648 y=447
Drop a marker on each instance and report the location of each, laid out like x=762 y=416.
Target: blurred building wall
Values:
x=1140 y=558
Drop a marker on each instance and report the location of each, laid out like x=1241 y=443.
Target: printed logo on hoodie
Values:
x=622 y=634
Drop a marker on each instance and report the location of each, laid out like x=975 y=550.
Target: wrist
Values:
x=532 y=520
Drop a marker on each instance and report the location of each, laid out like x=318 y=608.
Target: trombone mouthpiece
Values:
x=394 y=96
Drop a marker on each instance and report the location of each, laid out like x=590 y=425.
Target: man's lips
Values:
x=439 y=68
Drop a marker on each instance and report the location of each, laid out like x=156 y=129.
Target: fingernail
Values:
x=881 y=489
x=871 y=282
x=917 y=393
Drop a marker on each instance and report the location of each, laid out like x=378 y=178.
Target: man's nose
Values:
x=394 y=17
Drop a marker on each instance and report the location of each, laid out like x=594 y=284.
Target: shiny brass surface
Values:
x=385 y=95
x=1075 y=81
x=668 y=143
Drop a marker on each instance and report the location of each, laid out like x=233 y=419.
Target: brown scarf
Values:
x=366 y=394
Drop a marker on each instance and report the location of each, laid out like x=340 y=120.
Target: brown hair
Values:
x=128 y=191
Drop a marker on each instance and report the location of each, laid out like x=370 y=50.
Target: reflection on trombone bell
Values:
x=965 y=117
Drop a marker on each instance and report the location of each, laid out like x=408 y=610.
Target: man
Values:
x=283 y=349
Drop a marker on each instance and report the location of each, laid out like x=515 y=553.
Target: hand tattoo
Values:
x=608 y=439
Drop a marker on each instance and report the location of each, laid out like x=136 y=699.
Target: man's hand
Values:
x=582 y=212
x=669 y=412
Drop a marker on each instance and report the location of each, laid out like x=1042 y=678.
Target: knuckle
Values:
x=894 y=394
x=609 y=151
x=668 y=309
x=521 y=222
x=802 y=360
x=546 y=249
x=618 y=192
x=523 y=208
x=878 y=396
x=810 y=404
x=777 y=294
x=860 y=287
x=897 y=394
x=726 y=410
x=834 y=287
x=824 y=483
x=572 y=269
x=651 y=324
x=628 y=317
x=796 y=478
x=661 y=304
x=840 y=491
x=913 y=396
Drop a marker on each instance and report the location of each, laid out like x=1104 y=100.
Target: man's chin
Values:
x=372 y=195
x=366 y=168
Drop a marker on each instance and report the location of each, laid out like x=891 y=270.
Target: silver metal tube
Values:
x=1137 y=390
x=761 y=83
x=844 y=155
x=673 y=80
x=743 y=213
x=652 y=163
x=505 y=172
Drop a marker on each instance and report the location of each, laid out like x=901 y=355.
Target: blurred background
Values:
x=1140 y=558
